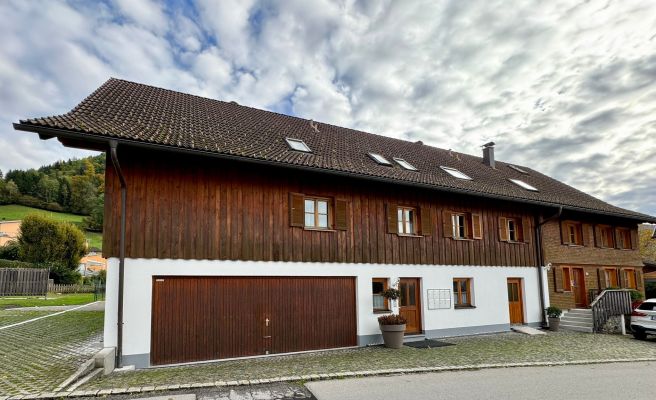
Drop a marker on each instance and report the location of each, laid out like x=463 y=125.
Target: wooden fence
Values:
x=61 y=288
x=23 y=281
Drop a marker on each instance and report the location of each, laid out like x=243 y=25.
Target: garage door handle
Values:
x=266 y=337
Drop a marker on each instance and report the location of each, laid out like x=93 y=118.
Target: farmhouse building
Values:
x=232 y=231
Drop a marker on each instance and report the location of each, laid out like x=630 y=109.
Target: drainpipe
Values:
x=540 y=258
x=121 y=263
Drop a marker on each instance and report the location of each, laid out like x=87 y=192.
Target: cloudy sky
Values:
x=565 y=88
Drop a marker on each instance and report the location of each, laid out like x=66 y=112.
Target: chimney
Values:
x=488 y=154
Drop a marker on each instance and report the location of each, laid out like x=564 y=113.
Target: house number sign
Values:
x=439 y=299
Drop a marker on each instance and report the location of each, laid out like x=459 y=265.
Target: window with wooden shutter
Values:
x=407 y=220
x=341 y=215
x=571 y=233
x=584 y=234
x=477 y=226
x=392 y=221
x=567 y=279
x=597 y=236
x=526 y=230
x=563 y=233
x=296 y=209
x=460 y=226
x=622 y=278
x=425 y=221
x=634 y=239
x=601 y=279
x=503 y=229
x=623 y=237
x=558 y=278
x=447 y=224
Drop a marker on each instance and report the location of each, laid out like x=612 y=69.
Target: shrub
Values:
x=636 y=295
x=16 y=264
x=554 y=312
x=9 y=251
x=392 y=319
x=391 y=293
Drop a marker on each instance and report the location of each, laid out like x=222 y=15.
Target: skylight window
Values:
x=516 y=168
x=456 y=174
x=405 y=164
x=298 y=144
x=379 y=159
x=523 y=184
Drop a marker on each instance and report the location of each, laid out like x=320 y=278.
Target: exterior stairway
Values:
x=577 y=319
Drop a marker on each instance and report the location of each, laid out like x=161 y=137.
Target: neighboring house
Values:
x=249 y=232
x=9 y=231
x=649 y=270
x=92 y=264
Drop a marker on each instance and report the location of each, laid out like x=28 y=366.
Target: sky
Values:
x=563 y=87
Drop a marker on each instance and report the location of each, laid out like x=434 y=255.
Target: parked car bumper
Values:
x=644 y=329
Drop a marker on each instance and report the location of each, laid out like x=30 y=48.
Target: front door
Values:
x=515 y=301
x=578 y=287
x=410 y=304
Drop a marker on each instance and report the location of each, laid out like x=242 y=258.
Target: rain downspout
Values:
x=113 y=144
x=540 y=258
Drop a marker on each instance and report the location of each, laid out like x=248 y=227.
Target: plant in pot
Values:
x=554 y=314
x=393 y=328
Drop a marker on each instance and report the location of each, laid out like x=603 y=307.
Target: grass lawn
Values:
x=13 y=212
x=68 y=299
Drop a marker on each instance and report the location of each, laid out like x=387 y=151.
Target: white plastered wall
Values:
x=489 y=291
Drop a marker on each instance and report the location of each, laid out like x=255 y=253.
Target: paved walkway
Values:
x=95 y=306
x=581 y=382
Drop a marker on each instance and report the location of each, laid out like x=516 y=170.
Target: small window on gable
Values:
x=298 y=145
x=379 y=159
x=405 y=164
x=524 y=185
x=516 y=168
x=456 y=174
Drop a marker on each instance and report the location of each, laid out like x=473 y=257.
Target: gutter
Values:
x=47 y=133
x=113 y=144
x=540 y=259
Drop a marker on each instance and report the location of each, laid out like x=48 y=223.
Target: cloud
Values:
x=566 y=88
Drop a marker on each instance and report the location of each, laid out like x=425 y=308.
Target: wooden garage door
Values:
x=208 y=318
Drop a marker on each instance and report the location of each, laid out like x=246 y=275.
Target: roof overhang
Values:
x=93 y=141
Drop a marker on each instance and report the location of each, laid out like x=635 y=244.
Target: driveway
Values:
x=581 y=382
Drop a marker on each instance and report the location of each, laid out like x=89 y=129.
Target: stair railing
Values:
x=609 y=303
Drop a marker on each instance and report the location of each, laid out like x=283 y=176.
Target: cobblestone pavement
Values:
x=503 y=348
x=39 y=355
x=9 y=317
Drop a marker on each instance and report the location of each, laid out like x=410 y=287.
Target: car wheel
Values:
x=640 y=335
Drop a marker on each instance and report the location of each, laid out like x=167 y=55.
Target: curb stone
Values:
x=312 y=377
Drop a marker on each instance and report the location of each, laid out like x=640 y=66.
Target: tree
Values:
x=8 y=192
x=57 y=245
x=48 y=189
x=94 y=222
x=83 y=194
x=647 y=244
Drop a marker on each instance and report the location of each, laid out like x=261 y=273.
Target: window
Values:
x=456 y=174
x=378 y=285
x=610 y=275
x=460 y=230
x=624 y=238
x=316 y=213
x=405 y=164
x=299 y=145
x=523 y=185
x=407 y=220
x=629 y=278
x=567 y=279
x=648 y=306
x=511 y=229
x=572 y=233
x=379 y=159
x=605 y=239
x=462 y=292
x=516 y=168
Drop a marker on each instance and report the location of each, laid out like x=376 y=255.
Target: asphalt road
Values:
x=598 y=381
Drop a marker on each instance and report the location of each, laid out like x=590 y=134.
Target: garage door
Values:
x=207 y=318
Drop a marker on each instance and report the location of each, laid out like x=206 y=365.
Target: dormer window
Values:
x=516 y=168
x=379 y=159
x=523 y=185
x=298 y=145
x=403 y=163
x=456 y=174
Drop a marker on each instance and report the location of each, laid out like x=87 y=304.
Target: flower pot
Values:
x=393 y=335
x=554 y=323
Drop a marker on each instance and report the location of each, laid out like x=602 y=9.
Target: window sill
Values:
x=319 y=229
x=409 y=236
x=514 y=242
x=463 y=307
x=573 y=245
x=464 y=239
x=382 y=311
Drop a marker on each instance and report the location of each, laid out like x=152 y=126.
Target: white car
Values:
x=643 y=320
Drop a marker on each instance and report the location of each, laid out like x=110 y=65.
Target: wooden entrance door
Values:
x=578 y=287
x=410 y=304
x=515 y=301
x=208 y=318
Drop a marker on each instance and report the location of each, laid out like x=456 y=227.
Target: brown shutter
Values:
x=426 y=221
x=638 y=275
x=623 y=282
x=558 y=278
x=616 y=234
x=597 y=236
x=296 y=209
x=477 y=226
x=601 y=278
x=634 y=239
x=526 y=230
x=585 y=240
x=564 y=238
x=447 y=224
x=392 y=218
x=341 y=215
x=503 y=229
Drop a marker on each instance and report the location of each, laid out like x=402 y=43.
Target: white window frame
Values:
x=456 y=173
x=516 y=168
x=524 y=185
x=457 y=227
x=379 y=159
x=404 y=164
x=298 y=145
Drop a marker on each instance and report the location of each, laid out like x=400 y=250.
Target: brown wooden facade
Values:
x=184 y=207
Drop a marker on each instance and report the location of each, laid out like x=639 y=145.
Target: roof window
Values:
x=298 y=144
x=523 y=184
x=456 y=174
x=405 y=164
x=379 y=159
x=516 y=168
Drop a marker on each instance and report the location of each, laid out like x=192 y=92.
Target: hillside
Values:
x=17 y=212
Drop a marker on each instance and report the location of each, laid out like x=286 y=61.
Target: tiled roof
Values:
x=126 y=110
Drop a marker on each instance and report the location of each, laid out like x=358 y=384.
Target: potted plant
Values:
x=393 y=328
x=554 y=314
x=391 y=293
